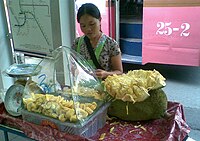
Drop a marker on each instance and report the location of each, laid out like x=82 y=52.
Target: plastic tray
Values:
x=25 y=70
x=86 y=129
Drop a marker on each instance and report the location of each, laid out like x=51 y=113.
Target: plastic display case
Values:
x=66 y=94
x=88 y=128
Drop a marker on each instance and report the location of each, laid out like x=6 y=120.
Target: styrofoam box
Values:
x=87 y=129
x=131 y=46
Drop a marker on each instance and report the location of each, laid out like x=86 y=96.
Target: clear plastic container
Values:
x=66 y=92
x=87 y=129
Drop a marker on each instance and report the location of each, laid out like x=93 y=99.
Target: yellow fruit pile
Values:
x=134 y=85
x=58 y=107
x=85 y=91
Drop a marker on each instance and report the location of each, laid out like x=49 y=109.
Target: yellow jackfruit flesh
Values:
x=134 y=86
x=58 y=107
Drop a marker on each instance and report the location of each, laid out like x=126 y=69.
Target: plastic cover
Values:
x=66 y=88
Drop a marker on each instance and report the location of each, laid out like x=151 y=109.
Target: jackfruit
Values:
x=153 y=107
x=58 y=107
x=133 y=86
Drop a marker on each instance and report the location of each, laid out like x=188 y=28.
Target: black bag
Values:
x=90 y=50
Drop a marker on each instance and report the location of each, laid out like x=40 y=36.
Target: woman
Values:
x=100 y=50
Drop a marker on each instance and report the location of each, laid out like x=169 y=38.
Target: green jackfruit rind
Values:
x=153 y=107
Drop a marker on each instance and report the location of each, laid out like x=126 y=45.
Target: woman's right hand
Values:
x=101 y=73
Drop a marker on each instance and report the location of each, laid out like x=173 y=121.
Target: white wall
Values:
x=6 y=58
x=68 y=30
x=68 y=25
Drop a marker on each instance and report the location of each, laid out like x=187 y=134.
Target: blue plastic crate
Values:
x=131 y=30
x=131 y=46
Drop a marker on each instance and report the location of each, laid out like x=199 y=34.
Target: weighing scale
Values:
x=13 y=96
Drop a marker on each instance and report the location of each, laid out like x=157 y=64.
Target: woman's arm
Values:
x=116 y=65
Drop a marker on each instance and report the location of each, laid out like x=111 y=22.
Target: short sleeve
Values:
x=114 y=47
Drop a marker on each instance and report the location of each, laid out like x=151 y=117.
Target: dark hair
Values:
x=90 y=9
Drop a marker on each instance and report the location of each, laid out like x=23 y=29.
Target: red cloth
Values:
x=173 y=128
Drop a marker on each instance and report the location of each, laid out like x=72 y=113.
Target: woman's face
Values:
x=90 y=26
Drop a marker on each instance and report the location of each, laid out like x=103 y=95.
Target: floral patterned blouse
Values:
x=110 y=49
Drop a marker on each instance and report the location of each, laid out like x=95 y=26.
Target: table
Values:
x=173 y=128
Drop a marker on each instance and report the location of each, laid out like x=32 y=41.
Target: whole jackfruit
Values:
x=153 y=107
x=137 y=95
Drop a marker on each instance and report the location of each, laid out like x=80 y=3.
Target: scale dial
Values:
x=13 y=99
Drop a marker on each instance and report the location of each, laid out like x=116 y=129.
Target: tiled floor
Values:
x=190 y=139
x=195 y=135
